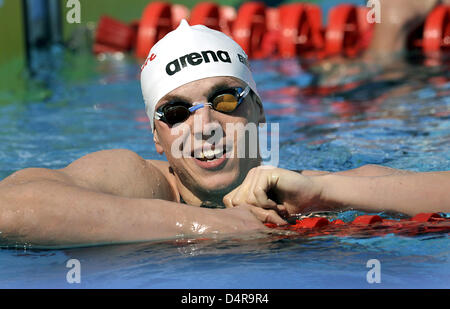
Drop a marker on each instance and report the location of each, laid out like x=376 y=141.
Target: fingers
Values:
x=267 y=215
x=228 y=199
x=239 y=195
x=253 y=190
x=263 y=184
x=282 y=211
x=262 y=199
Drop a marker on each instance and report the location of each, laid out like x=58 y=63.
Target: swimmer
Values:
x=195 y=78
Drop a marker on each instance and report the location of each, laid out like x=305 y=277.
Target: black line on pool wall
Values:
x=26 y=35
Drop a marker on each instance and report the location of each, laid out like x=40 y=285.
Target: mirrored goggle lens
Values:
x=225 y=103
x=176 y=114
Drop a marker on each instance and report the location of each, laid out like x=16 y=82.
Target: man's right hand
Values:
x=276 y=193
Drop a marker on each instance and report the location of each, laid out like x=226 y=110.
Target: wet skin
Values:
x=197 y=180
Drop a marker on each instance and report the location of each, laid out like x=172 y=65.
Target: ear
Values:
x=158 y=146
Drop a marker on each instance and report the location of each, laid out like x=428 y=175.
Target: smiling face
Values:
x=205 y=150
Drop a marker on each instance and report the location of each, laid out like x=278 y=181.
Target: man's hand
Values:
x=239 y=219
x=275 y=192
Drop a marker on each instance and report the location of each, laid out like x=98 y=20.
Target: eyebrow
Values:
x=174 y=98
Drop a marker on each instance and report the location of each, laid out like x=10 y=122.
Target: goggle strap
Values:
x=244 y=93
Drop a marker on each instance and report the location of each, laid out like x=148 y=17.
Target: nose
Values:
x=205 y=124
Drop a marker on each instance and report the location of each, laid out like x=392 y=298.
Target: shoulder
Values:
x=107 y=162
x=121 y=172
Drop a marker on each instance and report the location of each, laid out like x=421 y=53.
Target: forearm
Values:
x=407 y=193
x=51 y=214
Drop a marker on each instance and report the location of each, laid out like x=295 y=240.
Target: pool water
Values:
x=82 y=104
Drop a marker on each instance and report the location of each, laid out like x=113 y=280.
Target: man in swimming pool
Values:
x=198 y=79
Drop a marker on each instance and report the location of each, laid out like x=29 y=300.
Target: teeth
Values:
x=210 y=154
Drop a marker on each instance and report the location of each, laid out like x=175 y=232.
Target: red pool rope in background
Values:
x=369 y=225
x=290 y=30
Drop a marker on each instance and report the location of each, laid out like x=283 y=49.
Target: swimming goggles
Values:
x=224 y=101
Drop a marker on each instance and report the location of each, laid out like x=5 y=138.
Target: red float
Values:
x=300 y=30
x=366 y=220
x=207 y=14
x=365 y=28
x=179 y=12
x=113 y=36
x=426 y=217
x=311 y=223
x=369 y=225
x=273 y=19
x=342 y=33
x=227 y=17
x=155 y=23
x=134 y=25
x=270 y=39
x=436 y=32
x=250 y=27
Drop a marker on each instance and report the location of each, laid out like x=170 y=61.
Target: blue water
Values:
x=420 y=262
x=82 y=105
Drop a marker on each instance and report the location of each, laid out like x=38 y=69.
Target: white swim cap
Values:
x=188 y=54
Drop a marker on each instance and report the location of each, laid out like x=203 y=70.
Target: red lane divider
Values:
x=342 y=33
x=249 y=28
x=228 y=15
x=367 y=220
x=427 y=217
x=113 y=36
x=300 y=30
x=365 y=28
x=362 y=226
x=206 y=13
x=155 y=23
x=311 y=223
x=369 y=225
x=436 y=32
x=291 y=30
x=270 y=39
x=179 y=12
